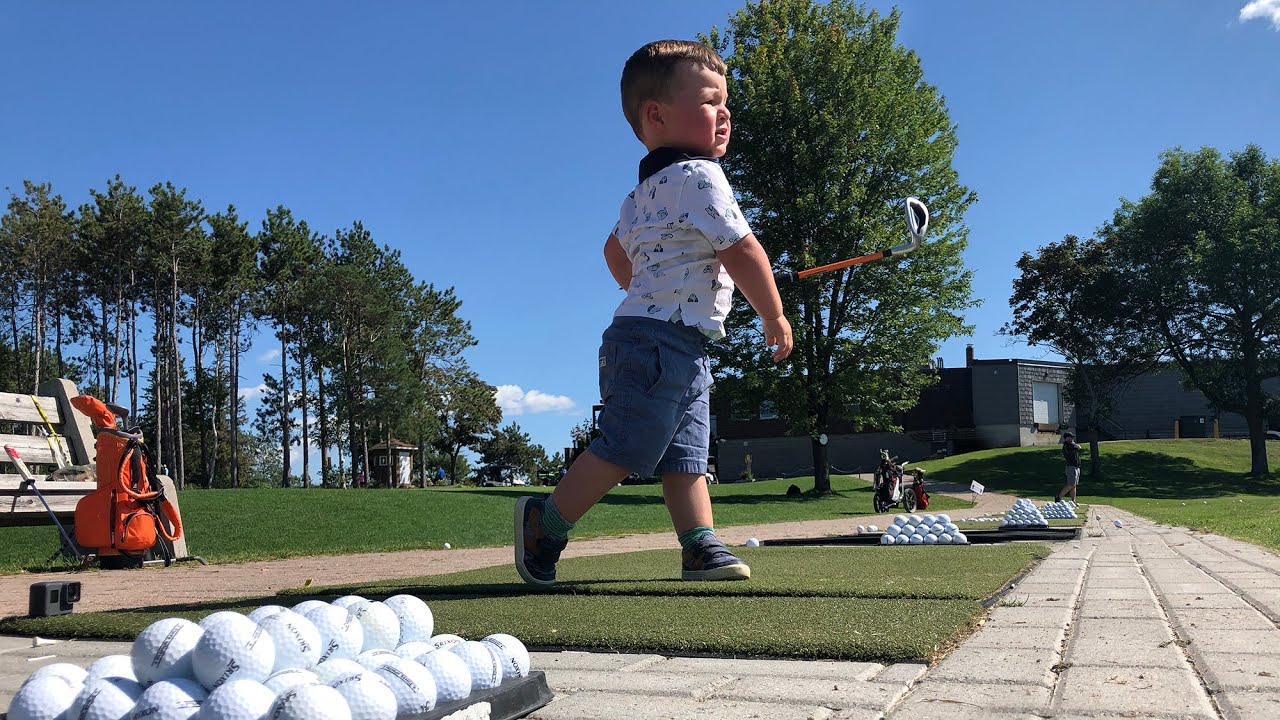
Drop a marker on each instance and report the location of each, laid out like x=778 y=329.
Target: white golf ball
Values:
x=416 y=620
x=373 y=659
x=412 y=684
x=943 y=518
x=238 y=700
x=513 y=654
x=959 y=539
x=1117 y=523
x=930 y=539
x=220 y=617
x=886 y=539
x=172 y=699
x=929 y=519
x=861 y=529
x=44 y=698
x=752 y=542
x=873 y=529
x=282 y=680
x=447 y=546
x=307 y=606
x=944 y=539
x=163 y=650
x=297 y=641
x=444 y=641
x=950 y=527
x=265 y=611
x=310 y=702
x=915 y=519
x=120 y=666
x=381 y=626
x=893 y=530
x=368 y=696
x=453 y=679
x=917 y=539
x=346 y=601
x=73 y=675
x=413 y=649
x=108 y=698
x=483 y=663
x=232 y=650
x=332 y=670
x=900 y=520
x=341 y=635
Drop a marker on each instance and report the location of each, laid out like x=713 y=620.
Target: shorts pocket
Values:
x=608 y=368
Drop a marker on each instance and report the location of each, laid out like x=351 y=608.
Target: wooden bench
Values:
x=19 y=506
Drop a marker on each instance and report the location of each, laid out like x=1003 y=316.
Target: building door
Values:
x=1044 y=403
x=405 y=470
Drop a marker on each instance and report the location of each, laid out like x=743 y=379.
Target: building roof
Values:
x=395 y=445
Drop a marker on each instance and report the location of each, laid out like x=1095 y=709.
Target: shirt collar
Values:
x=661 y=157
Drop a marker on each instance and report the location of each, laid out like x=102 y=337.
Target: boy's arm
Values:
x=619 y=263
x=748 y=265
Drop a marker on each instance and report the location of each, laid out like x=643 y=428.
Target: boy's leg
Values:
x=702 y=556
x=688 y=501
x=543 y=525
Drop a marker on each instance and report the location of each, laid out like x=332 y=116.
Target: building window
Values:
x=768 y=410
x=382 y=460
x=739 y=410
x=1044 y=403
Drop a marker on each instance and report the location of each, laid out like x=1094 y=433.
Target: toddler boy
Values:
x=679 y=248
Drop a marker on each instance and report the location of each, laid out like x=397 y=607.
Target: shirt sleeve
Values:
x=708 y=205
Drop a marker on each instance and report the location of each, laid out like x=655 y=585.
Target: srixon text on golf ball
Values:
x=351 y=658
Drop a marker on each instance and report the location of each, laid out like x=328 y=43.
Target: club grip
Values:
x=784 y=277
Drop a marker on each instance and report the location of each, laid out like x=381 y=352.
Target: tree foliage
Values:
x=833 y=126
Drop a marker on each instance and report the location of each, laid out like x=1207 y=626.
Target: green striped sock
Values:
x=689 y=537
x=553 y=523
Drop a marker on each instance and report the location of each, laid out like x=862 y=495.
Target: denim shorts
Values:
x=655 y=384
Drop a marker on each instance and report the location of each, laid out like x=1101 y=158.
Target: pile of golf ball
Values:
x=352 y=659
x=1024 y=513
x=923 y=530
x=1059 y=510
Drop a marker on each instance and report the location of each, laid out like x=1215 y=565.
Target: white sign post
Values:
x=976 y=487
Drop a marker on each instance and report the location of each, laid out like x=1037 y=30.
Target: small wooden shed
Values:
x=392 y=463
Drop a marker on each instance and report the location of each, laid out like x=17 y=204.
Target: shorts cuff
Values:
x=692 y=467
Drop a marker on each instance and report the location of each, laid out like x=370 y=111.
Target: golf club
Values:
x=917 y=226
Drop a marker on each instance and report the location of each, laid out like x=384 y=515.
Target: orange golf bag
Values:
x=128 y=514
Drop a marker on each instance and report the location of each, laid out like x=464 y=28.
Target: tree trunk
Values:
x=180 y=453
x=364 y=452
x=1095 y=457
x=203 y=408
x=57 y=341
x=37 y=322
x=303 y=405
x=13 y=325
x=1253 y=393
x=106 y=349
x=349 y=391
x=133 y=354
x=323 y=410
x=115 y=354
x=233 y=424
x=285 y=410
x=821 y=468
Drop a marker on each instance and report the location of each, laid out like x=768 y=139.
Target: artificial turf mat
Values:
x=868 y=604
x=934 y=572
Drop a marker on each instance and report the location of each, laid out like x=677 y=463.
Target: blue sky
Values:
x=485 y=141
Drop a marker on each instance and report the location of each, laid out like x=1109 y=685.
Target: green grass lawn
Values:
x=856 y=603
x=225 y=526
x=1201 y=484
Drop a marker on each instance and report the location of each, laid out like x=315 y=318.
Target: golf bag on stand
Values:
x=128 y=517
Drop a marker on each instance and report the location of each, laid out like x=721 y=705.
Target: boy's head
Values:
x=674 y=94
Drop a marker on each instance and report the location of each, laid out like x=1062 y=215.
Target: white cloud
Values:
x=515 y=401
x=1269 y=9
x=268 y=356
x=252 y=392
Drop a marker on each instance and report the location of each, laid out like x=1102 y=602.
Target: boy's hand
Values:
x=778 y=332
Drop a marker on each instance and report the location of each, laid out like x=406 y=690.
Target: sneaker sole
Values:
x=726 y=572
x=519 y=528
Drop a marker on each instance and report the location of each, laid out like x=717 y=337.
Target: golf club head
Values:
x=917 y=225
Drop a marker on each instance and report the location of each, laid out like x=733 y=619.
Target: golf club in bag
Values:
x=917 y=226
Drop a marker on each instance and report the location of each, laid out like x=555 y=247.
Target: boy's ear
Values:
x=651 y=112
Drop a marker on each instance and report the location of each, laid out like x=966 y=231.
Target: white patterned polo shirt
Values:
x=671 y=226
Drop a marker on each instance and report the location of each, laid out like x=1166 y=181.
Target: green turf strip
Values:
x=943 y=573
x=852 y=603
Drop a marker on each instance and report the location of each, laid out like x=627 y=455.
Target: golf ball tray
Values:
x=228 y=662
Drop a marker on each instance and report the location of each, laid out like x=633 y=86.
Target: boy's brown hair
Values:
x=650 y=70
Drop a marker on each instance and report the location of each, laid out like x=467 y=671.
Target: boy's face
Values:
x=696 y=116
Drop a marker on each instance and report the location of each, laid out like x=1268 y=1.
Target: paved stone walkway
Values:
x=1138 y=621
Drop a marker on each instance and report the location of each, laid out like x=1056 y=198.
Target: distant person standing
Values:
x=439 y=475
x=1071 y=453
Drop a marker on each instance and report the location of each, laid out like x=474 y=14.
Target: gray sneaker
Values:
x=708 y=559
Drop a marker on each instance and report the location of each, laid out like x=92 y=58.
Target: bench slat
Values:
x=33 y=449
x=19 y=408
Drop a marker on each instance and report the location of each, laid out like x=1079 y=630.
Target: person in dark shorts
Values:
x=1071 y=453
